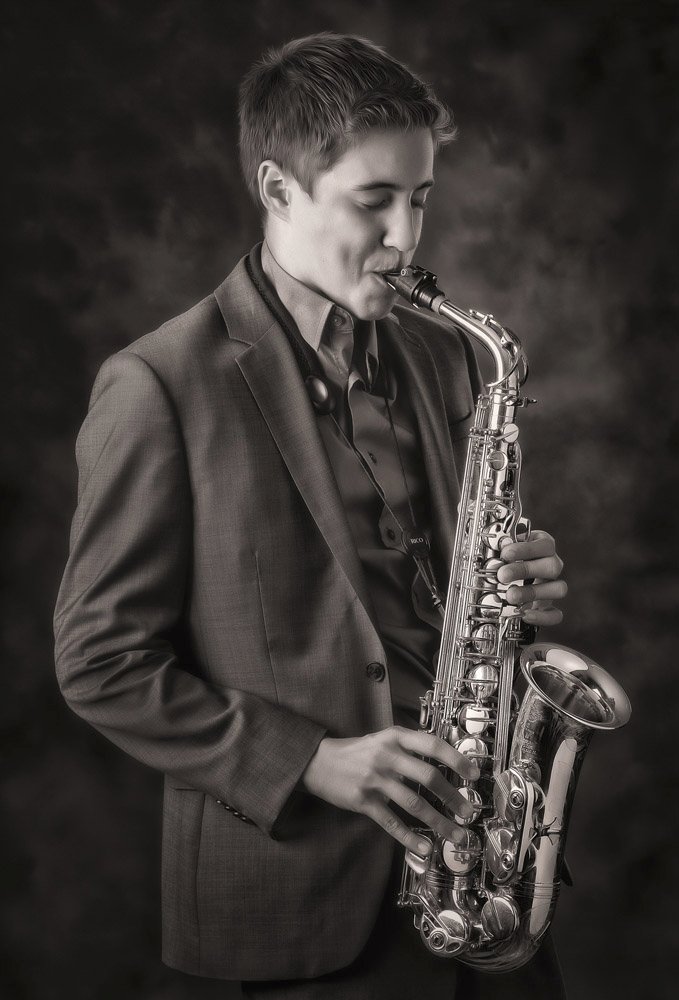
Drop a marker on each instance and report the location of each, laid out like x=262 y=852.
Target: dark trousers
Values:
x=395 y=965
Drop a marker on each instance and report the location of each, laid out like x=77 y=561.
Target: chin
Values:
x=374 y=307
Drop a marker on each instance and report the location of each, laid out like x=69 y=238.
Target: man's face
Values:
x=364 y=217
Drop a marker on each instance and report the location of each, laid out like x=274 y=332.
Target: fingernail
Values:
x=423 y=847
x=529 y=616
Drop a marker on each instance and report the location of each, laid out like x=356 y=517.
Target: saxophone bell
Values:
x=575 y=686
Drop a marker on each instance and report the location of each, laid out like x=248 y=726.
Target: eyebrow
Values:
x=387 y=185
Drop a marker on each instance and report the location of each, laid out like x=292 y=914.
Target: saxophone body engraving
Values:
x=487 y=896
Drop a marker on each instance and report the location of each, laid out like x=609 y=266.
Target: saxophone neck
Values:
x=419 y=287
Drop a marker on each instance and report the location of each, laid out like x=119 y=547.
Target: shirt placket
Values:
x=372 y=440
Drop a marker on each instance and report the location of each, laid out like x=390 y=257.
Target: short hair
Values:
x=304 y=104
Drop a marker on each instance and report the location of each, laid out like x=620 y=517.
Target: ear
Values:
x=274 y=189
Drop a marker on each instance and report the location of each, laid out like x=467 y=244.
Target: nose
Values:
x=403 y=227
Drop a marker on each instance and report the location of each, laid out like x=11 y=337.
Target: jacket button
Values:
x=375 y=671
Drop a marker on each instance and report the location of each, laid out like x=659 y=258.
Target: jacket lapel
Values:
x=271 y=372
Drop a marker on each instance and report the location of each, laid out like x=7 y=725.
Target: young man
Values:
x=239 y=610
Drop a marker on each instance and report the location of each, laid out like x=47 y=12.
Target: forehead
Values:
x=393 y=158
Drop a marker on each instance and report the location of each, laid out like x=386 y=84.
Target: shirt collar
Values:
x=312 y=312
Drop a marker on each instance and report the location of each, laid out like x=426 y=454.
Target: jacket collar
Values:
x=315 y=314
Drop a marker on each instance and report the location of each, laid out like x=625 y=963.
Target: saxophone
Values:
x=487 y=895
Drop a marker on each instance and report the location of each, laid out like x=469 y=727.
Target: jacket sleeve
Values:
x=121 y=603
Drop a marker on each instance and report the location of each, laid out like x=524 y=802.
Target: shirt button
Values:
x=375 y=671
x=391 y=534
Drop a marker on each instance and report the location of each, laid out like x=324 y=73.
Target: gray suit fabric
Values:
x=213 y=621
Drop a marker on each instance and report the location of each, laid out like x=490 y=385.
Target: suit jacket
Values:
x=214 y=622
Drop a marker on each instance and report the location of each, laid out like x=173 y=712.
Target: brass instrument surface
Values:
x=488 y=894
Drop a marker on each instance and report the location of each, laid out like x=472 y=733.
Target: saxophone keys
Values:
x=510 y=432
x=492 y=565
x=474 y=719
x=482 y=679
x=474 y=747
x=456 y=924
x=498 y=460
x=426 y=703
x=499 y=917
x=474 y=800
x=416 y=862
x=493 y=534
x=460 y=854
x=490 y=605
x=522 y=529
x=501 y=847
x=448 y=936
x=511 y=795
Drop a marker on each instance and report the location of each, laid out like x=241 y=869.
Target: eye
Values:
x=375 y=206
x=422 y=205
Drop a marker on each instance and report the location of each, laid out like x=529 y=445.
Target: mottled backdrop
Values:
x=553 y=210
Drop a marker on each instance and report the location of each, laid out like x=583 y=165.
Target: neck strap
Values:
x=306 y=357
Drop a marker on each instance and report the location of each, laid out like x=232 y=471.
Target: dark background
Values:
x=553 y=210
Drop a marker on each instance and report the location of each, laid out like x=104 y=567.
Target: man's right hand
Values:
x=364 y=773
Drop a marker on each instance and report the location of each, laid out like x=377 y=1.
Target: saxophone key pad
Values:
x=474 y=719
x=455 y=924
x=474 y=747
x=474 y=800
x=462 y=852
x=510 y=432
x=498 y=461
x=490 y=605
x=499 y=917
x=484 y=639
x=482 y=680
x=491 y=566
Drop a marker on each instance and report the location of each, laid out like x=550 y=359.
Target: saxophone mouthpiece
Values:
x=414 y=284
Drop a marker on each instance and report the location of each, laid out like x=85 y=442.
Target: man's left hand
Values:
x=536 y=559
